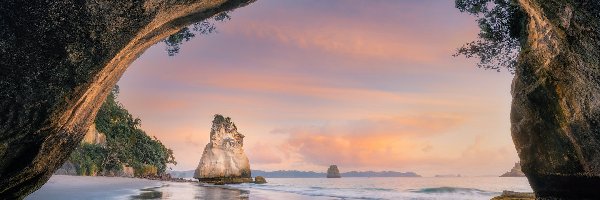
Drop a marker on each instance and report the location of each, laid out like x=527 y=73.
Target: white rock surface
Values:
x=223 y=156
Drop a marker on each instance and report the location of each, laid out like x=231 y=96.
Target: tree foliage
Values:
x=501 y=25
x=89 y=159
x=205 y=27
x=126 y=144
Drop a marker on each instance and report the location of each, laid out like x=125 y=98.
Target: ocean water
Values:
x=345 y=188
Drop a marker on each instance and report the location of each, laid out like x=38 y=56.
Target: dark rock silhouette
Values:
x=555 y=111
x=333 y=172
x=514 y=172
x=260 y=180
x=59 y=61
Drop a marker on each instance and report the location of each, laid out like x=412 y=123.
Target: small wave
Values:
x=315 y=191
x=379 y=189
x=375 y=193
x=445 y=190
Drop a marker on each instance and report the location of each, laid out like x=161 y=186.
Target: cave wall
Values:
x=59 y=60
x=555 y=112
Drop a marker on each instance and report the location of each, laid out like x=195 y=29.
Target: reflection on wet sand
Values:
x=191 y=191
x=149 y=193
x=223 y=193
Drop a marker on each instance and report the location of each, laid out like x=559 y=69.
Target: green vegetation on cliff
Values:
x=126 y=144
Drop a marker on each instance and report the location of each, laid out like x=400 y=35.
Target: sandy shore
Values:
x=92 y=188
x=87 y=187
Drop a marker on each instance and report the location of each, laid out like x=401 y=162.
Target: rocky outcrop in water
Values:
x=333 y=172
x=260 y=180
x=223 y=160
x=58 y=62
x=514 y=172
x=555 y=112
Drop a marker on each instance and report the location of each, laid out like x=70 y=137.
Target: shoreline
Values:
x=67 y=187
x=511 y=195
x=91 y=187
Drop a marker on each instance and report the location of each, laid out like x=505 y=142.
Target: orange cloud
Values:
x=393 y=143
x=388 y=142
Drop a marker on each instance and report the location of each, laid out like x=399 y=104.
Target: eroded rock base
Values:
x=226 y=180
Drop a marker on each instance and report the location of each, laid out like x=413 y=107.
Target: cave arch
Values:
x=59 y=60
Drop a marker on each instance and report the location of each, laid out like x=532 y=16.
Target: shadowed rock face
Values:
x=58 y=61
x=556 y=99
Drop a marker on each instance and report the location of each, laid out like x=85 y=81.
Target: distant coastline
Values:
x=307 y=174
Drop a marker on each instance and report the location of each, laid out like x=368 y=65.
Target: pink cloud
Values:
x=263 y=153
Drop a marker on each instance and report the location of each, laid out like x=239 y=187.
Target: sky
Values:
x=363 y=84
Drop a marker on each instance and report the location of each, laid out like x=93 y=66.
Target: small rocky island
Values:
x=223 y=160
x=514 y=172
x=333 y=172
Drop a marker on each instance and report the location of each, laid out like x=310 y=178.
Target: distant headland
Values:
x=308 y=174
x=514 y=172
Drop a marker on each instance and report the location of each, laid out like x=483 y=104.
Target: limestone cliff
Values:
x=223 y=159
x=514 y=172
x=59 y=60
x=555 y=112
x=93 y=136
x=333 y=172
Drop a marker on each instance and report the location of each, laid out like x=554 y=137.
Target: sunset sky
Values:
x=366 y=85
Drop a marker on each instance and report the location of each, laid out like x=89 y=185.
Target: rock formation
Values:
x=59 y=60
x=510 y=195
x=223 y=160
x=93 y=136
x=68 y=168
x=333 y=172
x=555 y=113
x=260 y=180
x=514 y=172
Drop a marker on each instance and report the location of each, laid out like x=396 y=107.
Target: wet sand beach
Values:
x=91 y=187
x=95 y=188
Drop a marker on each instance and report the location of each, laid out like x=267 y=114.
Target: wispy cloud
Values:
x=364 y=84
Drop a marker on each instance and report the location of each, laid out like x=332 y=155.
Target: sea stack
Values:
x=333 y=172
x=223 y=160
x=514 y=172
